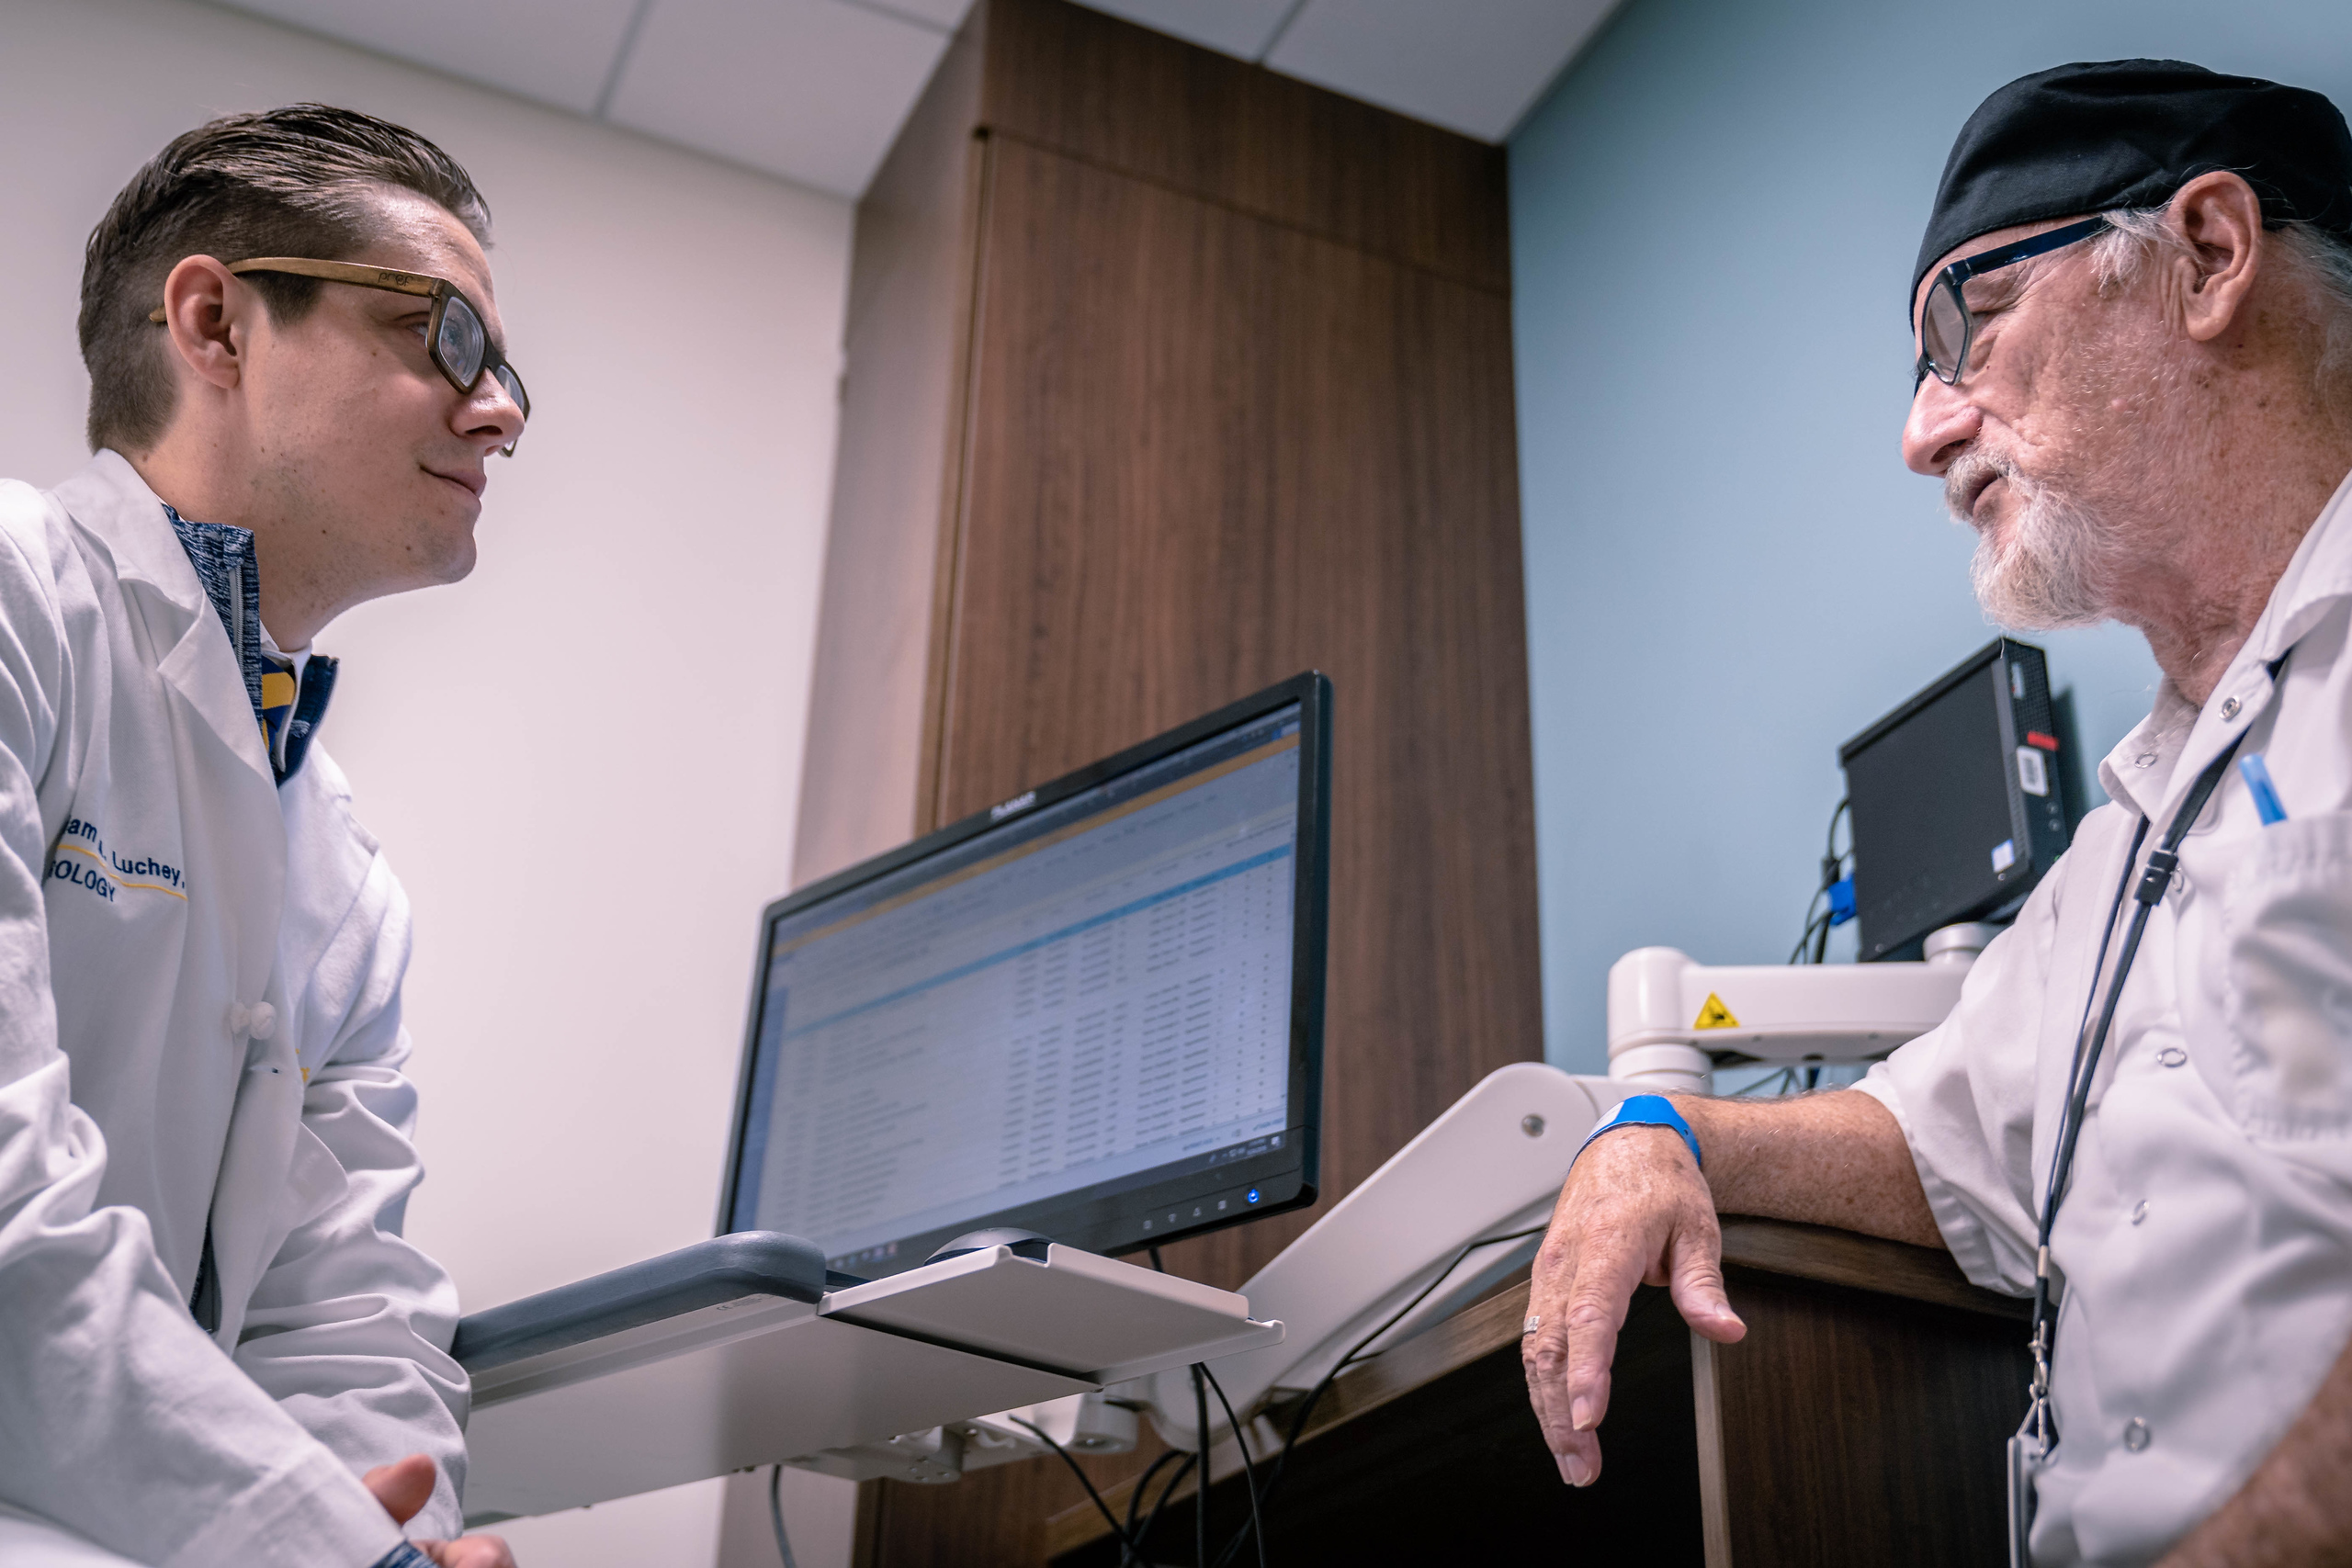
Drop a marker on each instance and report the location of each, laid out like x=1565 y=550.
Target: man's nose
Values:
x=1941 y=423
x=491 y=414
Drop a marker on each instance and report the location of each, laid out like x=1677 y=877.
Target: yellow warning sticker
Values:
x=1714 y=1015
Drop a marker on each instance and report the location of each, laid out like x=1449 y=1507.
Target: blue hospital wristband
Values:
x=1643 y=1110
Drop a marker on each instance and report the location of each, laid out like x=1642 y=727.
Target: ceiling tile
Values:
x=1474 y=66
x=813 y=90
x=1235 y=27
x=558 y=51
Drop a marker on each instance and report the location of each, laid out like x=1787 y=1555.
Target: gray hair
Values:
x=2320 y=261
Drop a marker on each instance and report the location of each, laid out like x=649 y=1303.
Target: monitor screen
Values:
x=1092 y=1011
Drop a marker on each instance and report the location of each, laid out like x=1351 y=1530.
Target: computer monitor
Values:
x=1958 y=799
x=1094 y=1010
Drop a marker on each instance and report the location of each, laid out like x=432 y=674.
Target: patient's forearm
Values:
x=1838 y=1159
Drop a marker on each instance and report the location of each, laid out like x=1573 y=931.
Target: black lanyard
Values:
x=2088 y=1045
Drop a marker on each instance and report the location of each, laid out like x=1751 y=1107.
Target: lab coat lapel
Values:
x=232 y=822
x=113 y=503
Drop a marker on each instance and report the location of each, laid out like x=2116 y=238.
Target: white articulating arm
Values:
x=1491 y=1165
x=1671 y=1019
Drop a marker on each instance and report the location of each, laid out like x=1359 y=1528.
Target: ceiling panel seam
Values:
x=913 y=19
x=620 y=56
x=1267 y=49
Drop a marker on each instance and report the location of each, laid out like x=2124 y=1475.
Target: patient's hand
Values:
x=404 y=1486
x=1635 y=1209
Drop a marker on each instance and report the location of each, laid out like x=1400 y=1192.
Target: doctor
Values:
x=215 y=1347
x=2133 y=315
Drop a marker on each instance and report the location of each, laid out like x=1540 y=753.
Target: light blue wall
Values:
x=1729 y=570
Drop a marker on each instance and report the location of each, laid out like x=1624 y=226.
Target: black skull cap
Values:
x=2124 y=133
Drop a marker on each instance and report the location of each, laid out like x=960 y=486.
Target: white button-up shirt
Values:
x=2205 y=1241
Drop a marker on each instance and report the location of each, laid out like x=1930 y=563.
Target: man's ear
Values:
x=2221 y=217
x=208 y=315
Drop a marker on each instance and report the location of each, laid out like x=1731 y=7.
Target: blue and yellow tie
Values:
x=278 y=689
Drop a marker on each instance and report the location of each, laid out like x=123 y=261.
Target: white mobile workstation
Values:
x=734 y=1353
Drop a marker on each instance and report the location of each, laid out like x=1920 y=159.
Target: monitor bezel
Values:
x=1291 y=1184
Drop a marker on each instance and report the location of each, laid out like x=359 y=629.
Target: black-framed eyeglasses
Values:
x=455 y=339
x=1946 y=329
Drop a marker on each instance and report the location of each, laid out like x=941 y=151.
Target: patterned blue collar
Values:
x=223 y=559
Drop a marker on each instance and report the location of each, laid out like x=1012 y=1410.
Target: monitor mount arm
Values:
x=1672 y=1022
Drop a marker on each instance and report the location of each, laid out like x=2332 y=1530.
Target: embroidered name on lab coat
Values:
x=95 y=861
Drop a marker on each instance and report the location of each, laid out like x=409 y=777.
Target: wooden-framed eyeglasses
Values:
x=455 y=339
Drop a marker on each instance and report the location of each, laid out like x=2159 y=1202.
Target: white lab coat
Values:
x=158 y=892
x=2206 y=1238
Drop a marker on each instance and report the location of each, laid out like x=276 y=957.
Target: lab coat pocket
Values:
x=2286 y=919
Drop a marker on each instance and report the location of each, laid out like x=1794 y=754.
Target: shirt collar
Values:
x=222 y=556
x=223 y=559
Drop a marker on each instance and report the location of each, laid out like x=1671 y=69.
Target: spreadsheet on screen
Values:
x=1095 y=992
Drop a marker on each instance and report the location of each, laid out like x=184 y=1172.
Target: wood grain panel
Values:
x=1209 y=452
x=1095 y=87
x=1237 y=403
x=1860 y=1427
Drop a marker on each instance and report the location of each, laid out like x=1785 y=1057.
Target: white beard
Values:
x=2057 y=567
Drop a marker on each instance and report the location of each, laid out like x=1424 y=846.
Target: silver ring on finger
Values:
x=1534 y=1322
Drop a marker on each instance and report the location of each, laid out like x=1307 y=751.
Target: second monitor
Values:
x=1093 y=1011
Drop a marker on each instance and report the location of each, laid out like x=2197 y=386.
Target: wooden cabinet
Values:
x=1167 y=378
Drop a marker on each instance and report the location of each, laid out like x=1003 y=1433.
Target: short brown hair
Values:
x=289 y=182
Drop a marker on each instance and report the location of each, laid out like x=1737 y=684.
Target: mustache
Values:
x=1970 y=473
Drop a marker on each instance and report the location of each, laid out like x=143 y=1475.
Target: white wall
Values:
x=584 y=761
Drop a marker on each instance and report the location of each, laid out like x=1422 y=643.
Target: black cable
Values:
x=1175 y=1479
x=1248 y=1463
x=1833 y=870
x=1201 y=1491
x=1135 y=1498
x=775 y=1517
x=1814 y=923
x=1306 y=1406
x=1109 y=1517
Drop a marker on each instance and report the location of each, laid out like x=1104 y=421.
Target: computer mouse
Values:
x=1024 y=1244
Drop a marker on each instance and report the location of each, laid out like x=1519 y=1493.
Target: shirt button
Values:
x=2230 y=708
x=2138 y=1210
x=2144 y=759
x=2135 y=1434
x=2172 y=1057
